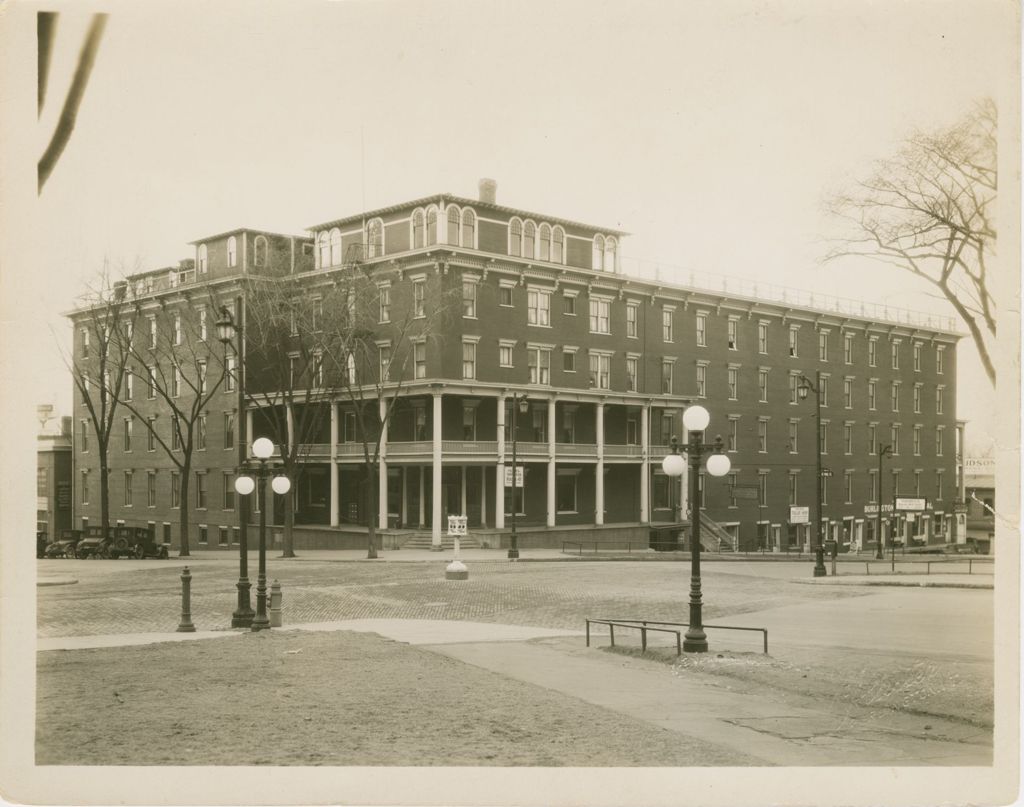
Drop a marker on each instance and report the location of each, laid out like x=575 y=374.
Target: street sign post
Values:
x=911 y=504
x=519 y=476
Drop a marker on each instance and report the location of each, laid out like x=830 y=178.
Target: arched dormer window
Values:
x=558 y=245
x=232 y=251
x=454 y=220
x=468 y=228
x=529 y=239
x=259 y=251
x=418 y=234
x=610 y=256
x=201 y=259
x=431 y=225
x=597 y=262
x=545 y=242
x=515 y=237
x=374 y=238
x=335 y=247
x=323 y=249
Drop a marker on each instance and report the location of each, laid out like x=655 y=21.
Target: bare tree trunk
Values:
x=104 y=493
x=371 y=512
x=183 y=512
x=287 y=547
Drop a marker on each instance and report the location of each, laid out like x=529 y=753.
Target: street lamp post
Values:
x=819 y=550
x=520 y=403
x=696 y=419
x=227 y=332
x=882 y=451
x=261 y=468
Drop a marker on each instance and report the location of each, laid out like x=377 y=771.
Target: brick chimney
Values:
x=488 y=191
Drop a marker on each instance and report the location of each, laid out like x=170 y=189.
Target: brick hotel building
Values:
x=607 y=358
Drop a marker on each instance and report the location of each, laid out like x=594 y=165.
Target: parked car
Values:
x=65 y=546
x=94 y=544
x=136 y=542
x=41 y=543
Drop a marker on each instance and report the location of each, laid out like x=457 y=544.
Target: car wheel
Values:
x=163 y=553
x=71 y=552
x=140 y=552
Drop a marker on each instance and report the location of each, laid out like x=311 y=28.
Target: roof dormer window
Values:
x=597 y=261
x=418 y=231
x=335 y=247
x=374 y=238
x=259 y=251
x=515 y=238
x=232 y=251
x=323 y=249
x=431 y=225
x=201 y=259
x=529 y=239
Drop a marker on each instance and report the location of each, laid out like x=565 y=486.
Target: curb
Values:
x=57 y=581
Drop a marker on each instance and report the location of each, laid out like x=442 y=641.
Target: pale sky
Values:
x=708 y=130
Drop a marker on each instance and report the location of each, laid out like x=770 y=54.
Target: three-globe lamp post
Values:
x=261 y=468
x=695 y=420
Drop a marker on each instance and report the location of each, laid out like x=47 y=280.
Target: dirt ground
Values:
x=325 y=699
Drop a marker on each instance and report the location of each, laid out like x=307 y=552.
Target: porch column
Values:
x=334 y=464
x=435 y=516
x=599 y=470
x=382 y=472
x=422 y=472
x=645 y=464
x=405 y=495
x=551 y=462
x=499 y=476
x=462 y=485
x=483 y=496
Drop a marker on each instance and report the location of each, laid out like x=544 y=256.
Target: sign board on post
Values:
x=911 y=504
x=799 y=515
x=456 y=525
x=519 y=476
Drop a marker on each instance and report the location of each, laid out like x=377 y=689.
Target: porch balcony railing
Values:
x=483 y=448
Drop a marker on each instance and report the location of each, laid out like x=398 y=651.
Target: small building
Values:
x=53 y=477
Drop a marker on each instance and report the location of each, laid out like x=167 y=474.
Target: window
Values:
x=529 y=239
x=733 y=374
x=85 y=487
x=229 y=430
x=201 y=259
x=733 y=480
x=538 y=307
x=762 y=436
x=873 y=351
x=872 y=438
x=201 y=375
x=792 y=489
x=565 y=493
x=847 y=438
x=872 y=486
x=632 y=363
x=317 y=379
x=200 y=490
x=350 y=368
x=85 y=343
x=666 y=324
x=732 y=328
x=230 y=372
x=557 y=245
x=938 y=485
x=666 y=376
x=702 y=330
x=762 y=488
x=917 y=441
x=419 y=359
x=469 y=359
x=128 y=488
x=938 y=399
x=204 y=534
x=823 y=437
x=177 y=329
x=794 y=341
x=151 y=382
x=152 y=332
x=917 y=357
x=894 y=438
x=848 y=393
x=872 y=393
x=631 y=319
x=515 y=238
x=545 y=242
x=794 y=388
x=419 y=424
x=175 y=436
x=323 y=249
x=201 y=433
x=229 y=490
x=468 y=421
x=823 y=390
x=600 y=370
x=917 y=398
x=505 y=353
x=940 y=355
x=824 y=500
x=468 y=229
x=848 y=487
x=128 y=424
x=539 y=364
x=939 y=440
x=848 y=348
x=151 y=489
x=569 y=305
x=610 y=256
x=702 y=378
x=667 y=427
x=895 y=350
x=232 y=251
x=894 y=393
x=385 y=362
x=823 y=346
x=569 y=424
x=83 y=432
x=762 y=337
x=632 y=430
x=469 y=299
x=505 y=293
x=540 y=424
x=600 y=310
x=597 y=259
x=384 y=303
x=454 y=219
x=734 y=434
x=175 y=490
x=762 y=385
x=794 y=436
x=431 y=225
x=335 y=259
x=418 y=233
x=317 y=314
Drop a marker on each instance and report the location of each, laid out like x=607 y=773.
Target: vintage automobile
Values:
x=94 y=544
x=41 y=544
x=136 y=542
x=65 y=546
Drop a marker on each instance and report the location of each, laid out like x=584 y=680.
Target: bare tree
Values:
x=171 y=357
x=928 y=210
x=99 y=363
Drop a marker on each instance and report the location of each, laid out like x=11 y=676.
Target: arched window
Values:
x=515 y=237
x=610 y=247
x=597 y=262
x=324 y=249
x=374 y=238
x=201 y=259
x=529 y=239
x=545 y=242
x=468 y=228
x=453 y=225
x=418 y=236
x=558 y=246
x=335 y=247
x=431 y=225
x=259 y=251
x=232 y=250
